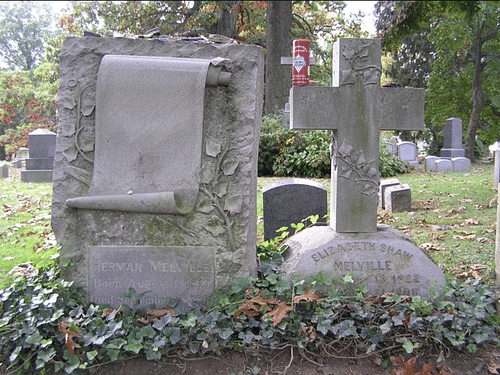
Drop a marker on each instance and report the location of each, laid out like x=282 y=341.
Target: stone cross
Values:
x=356 y=108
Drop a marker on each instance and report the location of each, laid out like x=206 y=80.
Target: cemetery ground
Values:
x=453 y=220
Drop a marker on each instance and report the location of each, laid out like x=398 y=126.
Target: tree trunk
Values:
x=278 y=43
x=226 y=22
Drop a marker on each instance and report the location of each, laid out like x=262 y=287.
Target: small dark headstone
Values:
x=290 y=201
x=42 y=148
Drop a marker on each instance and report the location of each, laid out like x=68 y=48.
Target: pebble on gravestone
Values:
x=398 y=198
x=290 y=201
x=155 y=169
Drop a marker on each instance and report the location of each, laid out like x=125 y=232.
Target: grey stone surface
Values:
x=95 y=209
x=460 y=164
x=39 y=164
x=430 y=163
x=187 y=270
x=290 y=201
x=356 y=108
x=42 y=144
x=37 y=176
x=407 y=151
x=452 y=145
x=23 y=153
x=5 y=170
x=398 y=198
x=384 y=184
x=496 y=171
x=17 y=164
x=386 y=261
x=444 y=165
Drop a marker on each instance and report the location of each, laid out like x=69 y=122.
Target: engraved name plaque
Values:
x=187 y=272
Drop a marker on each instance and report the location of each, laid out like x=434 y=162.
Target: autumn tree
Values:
x=463 y=81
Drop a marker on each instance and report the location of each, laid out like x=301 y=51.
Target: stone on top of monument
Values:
x=460 y=164
x=291 y=201
x=354 y=242
x=452 y=144
x=398 y=198
x=155 y=175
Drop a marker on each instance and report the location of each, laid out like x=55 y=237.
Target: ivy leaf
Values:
x=363 y=51
x=348 y=77
x=371 y=77
x=206 y=173
x=213 y=148
x=220 y=188
x=233 y=204
x=360 y=159
x=205 y=206
x=346 y=149
x=370 y=190
x=348 y=52
x=229 y=167
x=225 y=333
x=386 y=327
x=215 y=226
x=345 y=172
x=87 y=109
x=70 y=153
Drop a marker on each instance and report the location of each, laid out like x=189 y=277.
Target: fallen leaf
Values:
x=493 y=367
x=430 y=246
x=68 y=336
x=308 y=296
x=251 y=307
x=279 y=313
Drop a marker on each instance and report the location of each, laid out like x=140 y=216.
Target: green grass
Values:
x=25 y=232
x=453 y=219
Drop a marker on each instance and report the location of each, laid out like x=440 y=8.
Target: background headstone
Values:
x=444 y=165
x=430 y=163
x=290 y=201
x=496 y=171
x=460 y=164
x=185 y=255
x=5 y=171
x=408 y=152
x=384 y=184
x=40 y=163
x=452 y=145
x=398 y=198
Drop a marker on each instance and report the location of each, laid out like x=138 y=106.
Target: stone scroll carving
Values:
x=148 y=138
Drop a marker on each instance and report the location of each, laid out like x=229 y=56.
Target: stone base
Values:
x=36 y=176
x=40 y=164
x=449 y=153
x=386 y=261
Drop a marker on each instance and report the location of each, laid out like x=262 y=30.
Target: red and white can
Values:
x=300 y=62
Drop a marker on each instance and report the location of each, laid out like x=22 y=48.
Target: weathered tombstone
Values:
x=398 y=198
x=155 y=177
x=355 y=109
x=444 y=165
x=21 y=155
x=496 y=170
x=408 y=152
x=394 y=141
x=384 y=184
x=40 y=163
x=290 y=201
x=5 y=171
x=460 y=164
x=430 y=163
x=390 y=148
x=452 y=145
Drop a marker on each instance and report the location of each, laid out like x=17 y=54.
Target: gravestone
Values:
x=155 y=176
x=5 y=171
x=290 y=201
x=390 y=148
x=430 y=163
x=408 y=152
x=398 y=198
x=356 y=108
x=384 y=184
x=452 y=145
x=460 y=164
x=21 y=155
x=496 y=171
x=444 y=165
x=40 y=164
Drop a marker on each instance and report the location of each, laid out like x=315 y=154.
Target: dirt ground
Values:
x=483 y=362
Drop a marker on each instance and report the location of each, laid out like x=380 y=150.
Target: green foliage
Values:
x=46 y=326
x=24 y=27
x=390 y=165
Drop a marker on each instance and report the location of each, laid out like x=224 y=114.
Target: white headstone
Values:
x=444 y=165
x=460 y=164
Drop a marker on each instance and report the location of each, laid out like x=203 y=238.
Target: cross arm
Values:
x=400 y=108
x=314 y=108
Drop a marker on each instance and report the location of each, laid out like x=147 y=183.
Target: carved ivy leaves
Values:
x=217 y=203
x=356 y=166
x=358 y=60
